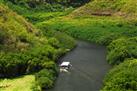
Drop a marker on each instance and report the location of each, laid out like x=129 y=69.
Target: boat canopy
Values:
x=65 y=64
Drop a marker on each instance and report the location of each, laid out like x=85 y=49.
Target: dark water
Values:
x=88 y=70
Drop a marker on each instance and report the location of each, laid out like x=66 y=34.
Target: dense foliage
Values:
x=18 y=39
x=102 y=30
x=42 y=5
x=25 y=49
x=45 y=78
x=34 y=3
x=122 y=78
x=121 y=49
x=105 y=28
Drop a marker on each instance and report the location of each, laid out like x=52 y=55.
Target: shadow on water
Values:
x=88 y=70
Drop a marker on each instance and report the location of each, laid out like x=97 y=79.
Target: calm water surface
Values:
x=88 y=70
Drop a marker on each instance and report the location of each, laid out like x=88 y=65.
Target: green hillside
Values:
x=24 y=49
x=34 y=34
x=108 y=8
x=106 y=22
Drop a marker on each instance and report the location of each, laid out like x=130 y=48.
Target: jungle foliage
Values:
x=29 y=48
x=122 y=77
x=24 y=49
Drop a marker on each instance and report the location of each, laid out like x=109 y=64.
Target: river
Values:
x=88 y=70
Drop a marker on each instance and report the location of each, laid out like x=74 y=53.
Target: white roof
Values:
x=65 y=64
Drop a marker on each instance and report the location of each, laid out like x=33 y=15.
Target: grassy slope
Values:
x=95 y=29
x=12 y=28
x=82 y=23
x=28 y=46
x=100 y=29
x=24 y=83
x=114 y=7
x=121 y=26
x=19 y=37
x=36 y=15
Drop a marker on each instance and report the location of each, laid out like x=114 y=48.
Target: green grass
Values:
x=36 y=17
x=113 y=7
x=94 y=29
x=42 y=16
x=23 y=83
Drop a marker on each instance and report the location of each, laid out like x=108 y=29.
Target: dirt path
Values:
x=88 y=70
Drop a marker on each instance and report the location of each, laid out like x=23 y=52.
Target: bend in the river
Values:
x=88 y=70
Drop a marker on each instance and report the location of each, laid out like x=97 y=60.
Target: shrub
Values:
x=50 y=65
x=121 y=49
x=35 y=87
x=45 y=82
x=33 y=60
x=12 y=64
x=65 y=41
x=54 y=42
x=122 y=77
x=35 y=65
x=45 y=79
x=108 y=38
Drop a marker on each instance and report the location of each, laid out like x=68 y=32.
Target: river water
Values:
x=88 y=70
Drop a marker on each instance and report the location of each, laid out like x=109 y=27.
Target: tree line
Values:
x=32 y=3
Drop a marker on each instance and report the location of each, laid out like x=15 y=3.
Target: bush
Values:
x=54 y=42
x=122 y=77
x=35 y=87
x=108 y=38
x=45 y=78
x=40 y=57
x=121 y=49
x=45 y=82
x=65 y=41
x=12 y=64
x=33 y=60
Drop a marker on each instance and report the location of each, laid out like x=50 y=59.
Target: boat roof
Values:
x=65 y=64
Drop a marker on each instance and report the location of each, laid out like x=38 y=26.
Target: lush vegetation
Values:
x=122 y=78
x=50 y=3
x=26 y=49
x=42 y=5
x=94 y=29
x=45 y=78
x=122 y=49
x=114 y=8
x=105 y=24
